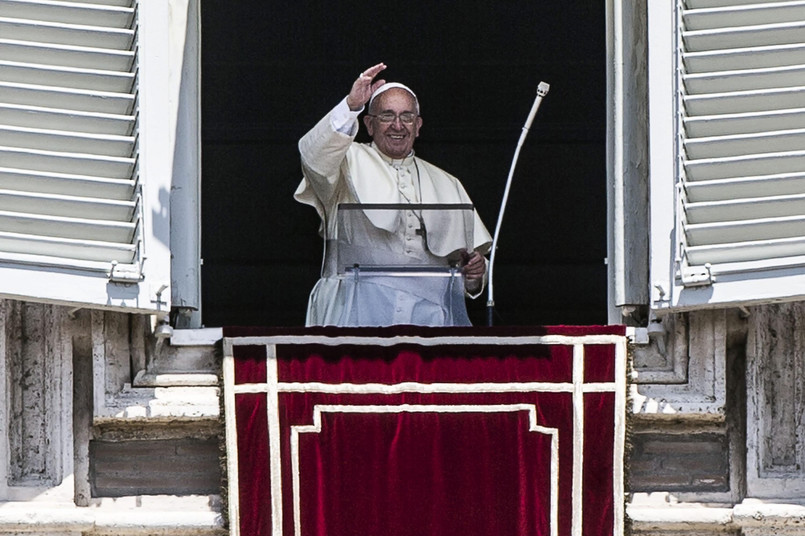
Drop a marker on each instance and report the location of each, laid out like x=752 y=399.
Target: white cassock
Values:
x=336 y=170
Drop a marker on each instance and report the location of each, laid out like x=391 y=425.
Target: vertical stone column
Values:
x=776 y=401
x=38 y=395
x=5 y=390
x=80 y=327
x=111 y=336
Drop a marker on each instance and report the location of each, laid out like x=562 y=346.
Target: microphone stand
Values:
x=542 y=90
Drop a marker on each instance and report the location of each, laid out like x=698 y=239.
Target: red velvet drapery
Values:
x=411 y=431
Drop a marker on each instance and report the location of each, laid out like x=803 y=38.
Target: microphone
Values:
x=542 y=90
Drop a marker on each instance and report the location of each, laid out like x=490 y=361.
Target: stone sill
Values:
x=689 y=517
x=142 y=515
x=176 y=402
x=749 y=516
x=183 y=379
x=196 y=337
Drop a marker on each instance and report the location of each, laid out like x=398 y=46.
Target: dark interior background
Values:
x=270 y=70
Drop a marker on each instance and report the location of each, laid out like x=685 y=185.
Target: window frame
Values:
x=168 y=158
x=741 y=284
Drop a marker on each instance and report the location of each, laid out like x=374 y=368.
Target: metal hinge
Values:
x=125 y=273
x=696 y=276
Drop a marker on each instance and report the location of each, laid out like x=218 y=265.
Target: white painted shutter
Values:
x=740 y=153
x=75 y=207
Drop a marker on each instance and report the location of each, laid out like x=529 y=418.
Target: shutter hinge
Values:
x=129 y=274
x=696 y=276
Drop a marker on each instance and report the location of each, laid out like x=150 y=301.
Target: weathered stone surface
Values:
x=155 y=467
x=776 y=401
x=147 y=516
x=679 y=462
x=681 y=373
x=69 y=412
x=37 y=380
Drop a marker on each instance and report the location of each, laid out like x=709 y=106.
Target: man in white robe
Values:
x=339 y=171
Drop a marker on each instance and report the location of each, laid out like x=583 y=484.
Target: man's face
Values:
x=395 y=139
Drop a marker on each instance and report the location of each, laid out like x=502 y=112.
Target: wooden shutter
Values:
x=740 y=145
x=71 y=137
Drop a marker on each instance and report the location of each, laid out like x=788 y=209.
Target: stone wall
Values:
x=104 y=428
x=718 y=437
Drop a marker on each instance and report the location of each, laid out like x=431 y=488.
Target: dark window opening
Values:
x=271 y=70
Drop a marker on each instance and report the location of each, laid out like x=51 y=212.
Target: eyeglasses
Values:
x=389 y=117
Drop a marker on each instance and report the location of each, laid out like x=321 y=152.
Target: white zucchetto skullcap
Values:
x=392 y=85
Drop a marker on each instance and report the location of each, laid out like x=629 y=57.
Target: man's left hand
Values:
x=475 y=267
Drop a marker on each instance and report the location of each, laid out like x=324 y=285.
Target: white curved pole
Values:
x=542 y=90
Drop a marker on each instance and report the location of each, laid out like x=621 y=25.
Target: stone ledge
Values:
x=151 y=515
x=163 y=402
x=655 y=515
x=184 y=379
x=196 y=337
x=680 y=518
x=753 y=513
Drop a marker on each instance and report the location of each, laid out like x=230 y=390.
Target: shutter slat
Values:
x=744 y=165
x=745 y=209
x=66 y=184
x=743 y=80
x=731 y=38
x=76 y=143
x=53 y=119
x=66 y=34
x=746 y=252
x=67 y=78
x=85 y=101
x=701 y=4
x=742 y=231
x=92 y=165
x=745 y=187
x=68 y=12
x=36 y=225
x=63 y=205
x=127 y=3
x=745 y=101
x=746 y=58
x=741 y=123
x=66 y=248
x=742 y=144
x=66 y=56
x=55 y=262
x=743 y=15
